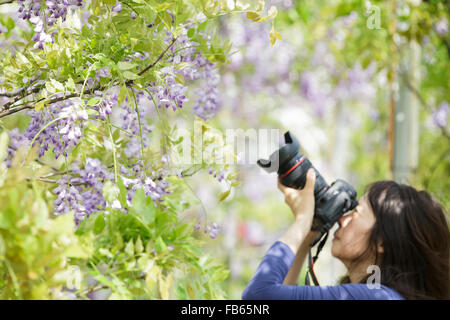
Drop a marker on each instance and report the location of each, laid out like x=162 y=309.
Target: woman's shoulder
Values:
x=369 y=291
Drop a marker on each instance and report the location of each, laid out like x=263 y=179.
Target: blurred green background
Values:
x=364 y=85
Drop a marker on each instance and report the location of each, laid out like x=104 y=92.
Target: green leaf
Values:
x=179 y=78
x=163 y=6
x=191 y=32
x=122 y=193
x=70 y=85
x=129 y=249
x=57 y=85
x=116 y=134
x=139 y=247
x=123 y=65
x=4 y=138
x=274 y=36
x=251 y=15
x=10 y=23
x=122 y=94
x=143 y=207
x=110 y=191
x=40 y=105
x=99 y=224
x=93 y=101
x=5 y=221
x=2 y=248
x=224 y=195
x=220 y=275
x=130 y=75
x=160 y=246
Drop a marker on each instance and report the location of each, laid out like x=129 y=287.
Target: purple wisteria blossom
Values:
x=154 y=184
x=442 y=27
x=16 y=141
x=3 y=29
x=129 y=121
x=354 y=84
x=220 y=175
x=196 y=67
x=117 y=7
x=104 y=107
x=208 y=103
x=171 y=93
x=81 y=191
x=41 y=18
x=440 y=116
x=63 y=134
x=213 y=230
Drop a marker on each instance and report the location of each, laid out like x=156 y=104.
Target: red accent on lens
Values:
x=293 y=167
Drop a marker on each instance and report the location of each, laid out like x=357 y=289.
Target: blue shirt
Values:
x=267 y=283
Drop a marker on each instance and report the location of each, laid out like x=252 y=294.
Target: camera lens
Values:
x=293 y=174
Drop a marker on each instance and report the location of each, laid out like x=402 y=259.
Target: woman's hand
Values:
x=301 y=201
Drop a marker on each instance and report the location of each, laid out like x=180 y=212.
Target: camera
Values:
x=331 y=201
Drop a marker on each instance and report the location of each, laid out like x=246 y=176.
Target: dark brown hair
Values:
x=414 y=233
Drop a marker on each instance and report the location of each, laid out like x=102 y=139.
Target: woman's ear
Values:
x=380 y=248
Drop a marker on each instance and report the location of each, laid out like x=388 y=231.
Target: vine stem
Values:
x=162 y=121
x=14 y=279
x=139 y=121
x=116 y=127
x=205 y=214
x=114 y=150
x=42 y=129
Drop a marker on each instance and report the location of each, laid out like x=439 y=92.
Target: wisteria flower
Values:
x=441 y=114
x=442 y=27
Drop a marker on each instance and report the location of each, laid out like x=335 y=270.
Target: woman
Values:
x=395 y=227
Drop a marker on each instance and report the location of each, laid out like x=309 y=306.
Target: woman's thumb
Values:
x=310 y=180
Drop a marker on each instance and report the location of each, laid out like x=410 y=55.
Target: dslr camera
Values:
x=331 y=201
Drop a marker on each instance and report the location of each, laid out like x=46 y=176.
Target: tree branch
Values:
x=11 y=111
x=421 y=99
x=7 y=111
x=31 y=105
x=6 y=2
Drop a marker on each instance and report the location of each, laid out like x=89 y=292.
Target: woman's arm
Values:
x=302 y=252
x=301 y=203
x=266 y=283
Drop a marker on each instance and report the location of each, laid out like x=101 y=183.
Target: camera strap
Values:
x=312 y=260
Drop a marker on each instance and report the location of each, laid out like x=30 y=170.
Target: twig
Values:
x=15 y=94
x=127 y=83
x=6 y=2
x=21 y=90
x=31 y=105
